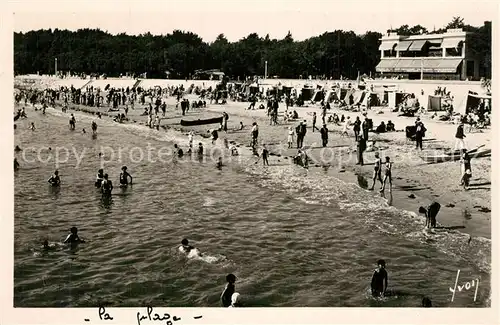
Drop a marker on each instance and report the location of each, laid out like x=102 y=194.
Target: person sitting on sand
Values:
x=234 y=150
x=430 y=213
x=371 y=147
x=55 y=180
x=124 y=175
x=73 y=237
x=381 y=128
x=379 y=280
x=390 y=126
x=295 y=115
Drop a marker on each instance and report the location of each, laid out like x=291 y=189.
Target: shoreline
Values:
x=459 y=211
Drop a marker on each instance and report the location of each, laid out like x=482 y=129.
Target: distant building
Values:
x=208 y=75
x=431 y=56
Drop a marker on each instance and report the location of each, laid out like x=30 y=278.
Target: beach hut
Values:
x=434 y=103
x=307 y=93
x=470 y=102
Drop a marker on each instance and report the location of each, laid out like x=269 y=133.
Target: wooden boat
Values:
x=215 y=120
x=459 y=152
x=445 y=157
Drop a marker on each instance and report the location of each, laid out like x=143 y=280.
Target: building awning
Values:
x=385 y=46
x=386 y=65
x=450 y=43
x=417 y=45
x=403 y=45
x=428 y=65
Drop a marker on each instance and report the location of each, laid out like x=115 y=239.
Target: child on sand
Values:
x=290 y=137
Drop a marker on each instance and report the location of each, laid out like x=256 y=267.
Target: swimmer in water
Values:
x=55 y=180
x=83 y=131
x=17 y=149
x=178 y=150
x=32 y=126
x=46 y=245
x=379 y=280
x=124 y=175
x=219 y=163
x=106 y=186
x=200 y=149
x=73 y=237
x=16 y=164
x=426 y=302
x=99 y=178
x=94 y=127
x=185 y=247
x=228 y=290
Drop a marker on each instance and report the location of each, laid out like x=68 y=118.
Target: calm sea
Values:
x=293 y=238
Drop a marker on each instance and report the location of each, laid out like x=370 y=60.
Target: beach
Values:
x=263 y=223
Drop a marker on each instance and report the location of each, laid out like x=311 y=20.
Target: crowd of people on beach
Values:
x=154 y=100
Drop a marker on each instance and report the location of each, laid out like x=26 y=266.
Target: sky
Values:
x=238 y=18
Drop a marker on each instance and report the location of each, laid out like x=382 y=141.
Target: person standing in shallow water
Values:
x=377 y=172
x=379 y=280
x=124 y=175
x=228 y=290
x=265 y=155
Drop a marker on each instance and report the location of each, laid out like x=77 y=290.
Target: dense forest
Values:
x=332 y=54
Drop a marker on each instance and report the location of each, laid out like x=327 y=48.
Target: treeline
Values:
x=332 y=54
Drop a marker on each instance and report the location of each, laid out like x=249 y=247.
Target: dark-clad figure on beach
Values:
x=228 y=290
x=200 y=150
x=72 y=122
x=466 y=169
x=124 y=175
x=73 y=237
x=356 y=128
x=324 y=135
x=55 y=180
x=314 y=122
x=361 y=148
x=16 y=164
x=419 y=133
x=379 y=280
x=94 y=127
x=265 y=155
x=99 y=178
x=106 y=186
x=366 y=128
x=430 y=213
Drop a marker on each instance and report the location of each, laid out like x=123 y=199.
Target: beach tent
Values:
x=471 y=101
x=307 y=93
x=330 y=96
x=395 y=98
x=434 y=104
x=358 y=97
x=318 y=96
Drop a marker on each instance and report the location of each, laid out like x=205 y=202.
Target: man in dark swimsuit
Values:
x=55 y=180
x=73 y=237
x=72 y=122
x=106 y=186
x=430 y=214
x=379 y=280
x=124 y=175
x=228 y=290
x=94 y=127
